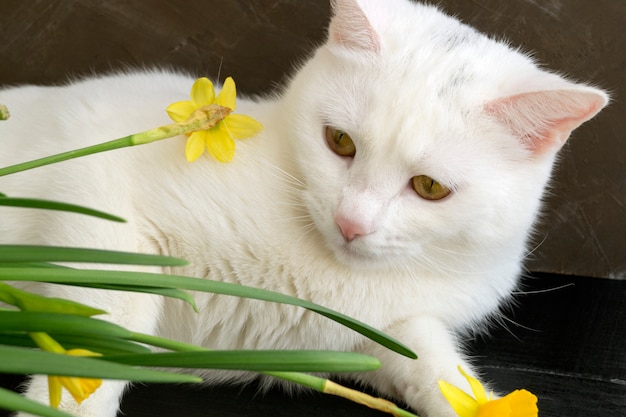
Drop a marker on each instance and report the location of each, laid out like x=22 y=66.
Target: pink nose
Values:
x=350 y=229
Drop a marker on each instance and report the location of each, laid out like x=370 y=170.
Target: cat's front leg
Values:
x=415 y=381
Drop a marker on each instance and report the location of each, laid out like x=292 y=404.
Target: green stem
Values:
x=45 y=342
x=202 y=119
x=313 y=382
x=367 y=400
x=165 y=343
x=76 y=153
x=297 y=377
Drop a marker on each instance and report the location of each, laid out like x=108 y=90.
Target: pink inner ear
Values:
x=544 y=120
x=351 y=28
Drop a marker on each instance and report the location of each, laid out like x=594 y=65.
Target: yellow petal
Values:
x=476 y=386
x=202 y=92
x=519 y=403
x=54 y=391
x=227 y=97
x=241 y=126
x=495 y=408
x=82 y=352
x=73 y=386
x=523 y=404
x=195 y=145
x=220 y=144
x=180 y=110
x=80 y=388
x=89 y=386
x=462 y=403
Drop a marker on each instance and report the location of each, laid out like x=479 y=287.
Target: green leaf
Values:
x=257 y=360
x=197 y=284
x=27 y=361
x=106 y=346
x=55 y=323
x=56 y=205
x=30 y=265
x=12 y=401
x=27 y=301
x=165 y=292
x=26 y=253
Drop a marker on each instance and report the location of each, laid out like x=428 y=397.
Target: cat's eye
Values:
x=428 y=188
x=339 y=142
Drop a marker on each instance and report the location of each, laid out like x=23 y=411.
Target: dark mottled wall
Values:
x=258 y=41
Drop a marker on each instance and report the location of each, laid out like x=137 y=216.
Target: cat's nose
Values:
x=351 y=229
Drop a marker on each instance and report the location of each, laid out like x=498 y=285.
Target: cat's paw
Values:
x=429 y=402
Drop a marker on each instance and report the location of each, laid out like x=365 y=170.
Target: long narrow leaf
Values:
x=56 y=205
x=54 y=323
x=27 y=361
x=257 y=360
x=106 y=346
x=12 y=401
x=27 y=253
x=27 y=301
x=165 y=292
x=30 y=265
x=197 y=284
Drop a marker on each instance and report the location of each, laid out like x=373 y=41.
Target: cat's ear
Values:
x=543 y=120
x=350 y=27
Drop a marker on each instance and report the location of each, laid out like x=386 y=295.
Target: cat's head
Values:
x=421 y=141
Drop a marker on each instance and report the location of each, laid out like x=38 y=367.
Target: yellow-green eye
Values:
x=428 y=188
x=339 y=142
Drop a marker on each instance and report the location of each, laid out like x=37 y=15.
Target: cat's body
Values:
x=288 y=214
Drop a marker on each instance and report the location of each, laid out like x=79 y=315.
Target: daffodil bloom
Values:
x=218 y=140
x=79 y=388
x=519 y=403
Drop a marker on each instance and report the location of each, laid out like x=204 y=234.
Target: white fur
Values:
x=418 y=92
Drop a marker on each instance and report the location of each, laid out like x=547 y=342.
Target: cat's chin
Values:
x=356 y=255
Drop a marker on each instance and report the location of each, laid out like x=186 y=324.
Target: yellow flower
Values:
x=519 y=403
x=218 y=140
x=79 y=388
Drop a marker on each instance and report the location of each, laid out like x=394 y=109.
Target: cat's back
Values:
x=151 y=181
x=47 y=119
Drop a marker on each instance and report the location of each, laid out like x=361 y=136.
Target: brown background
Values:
x=259 y=41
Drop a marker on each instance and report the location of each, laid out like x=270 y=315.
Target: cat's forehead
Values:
x=409 y=111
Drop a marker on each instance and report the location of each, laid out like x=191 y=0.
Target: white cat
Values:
x=396 y=181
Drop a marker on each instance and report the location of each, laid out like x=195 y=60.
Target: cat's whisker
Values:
x=456 y=253
x=530 y=252
x=547 y=290
x=505 y=321
x=302 y=217
x=282 y=174
x=438 y=267
x=502 y=321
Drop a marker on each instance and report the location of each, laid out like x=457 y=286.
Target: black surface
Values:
x=565 y=341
